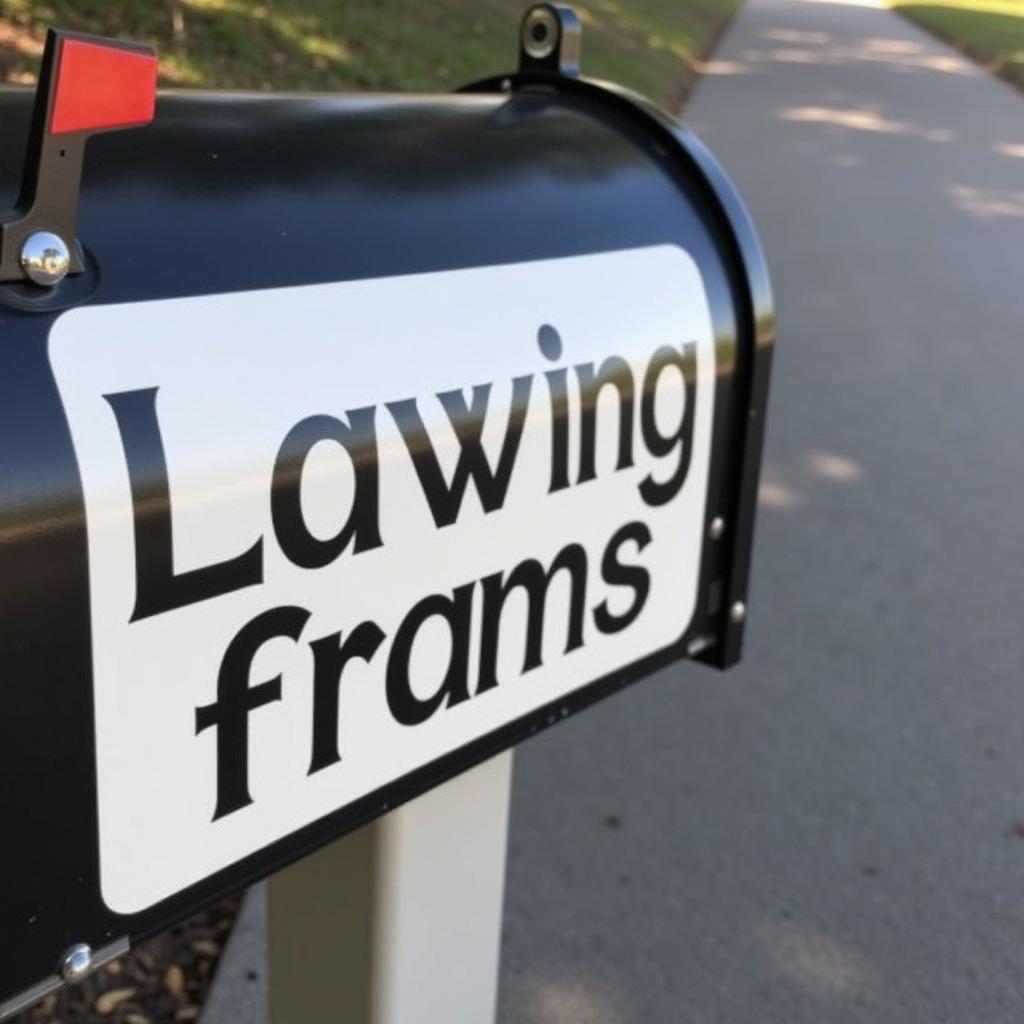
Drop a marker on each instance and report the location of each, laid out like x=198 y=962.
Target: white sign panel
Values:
x=339 y=531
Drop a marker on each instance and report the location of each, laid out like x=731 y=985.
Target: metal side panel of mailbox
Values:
x=230 y=447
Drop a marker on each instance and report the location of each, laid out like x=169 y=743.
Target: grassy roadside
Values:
x=991 y=31
x=649 y=45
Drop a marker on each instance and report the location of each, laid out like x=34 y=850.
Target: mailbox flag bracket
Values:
x=87 y=84
x=549 y=40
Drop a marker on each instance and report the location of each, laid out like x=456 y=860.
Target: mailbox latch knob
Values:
x=45 y=258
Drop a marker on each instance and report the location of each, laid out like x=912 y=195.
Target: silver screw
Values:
x=540 y=33
x=716 y=528
x=45 y=258
x=737 y=612
x=77 y=963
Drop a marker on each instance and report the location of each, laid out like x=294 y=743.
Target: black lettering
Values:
x=157 y=587
x=229 y=713
x=615 y=372
x=617 y=574
x=330 y=656
x=658 y=444
x=531 y=576
x=362 y=525
x=549 y=341
x=457 y=611
x=559 y=430
x=445 y=499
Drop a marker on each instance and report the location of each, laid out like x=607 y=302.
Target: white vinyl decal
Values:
x=338 y=531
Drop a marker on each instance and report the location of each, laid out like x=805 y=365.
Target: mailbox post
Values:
x=345 y=442
x=399 y=922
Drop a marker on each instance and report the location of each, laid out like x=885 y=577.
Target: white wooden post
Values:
x=400 y=922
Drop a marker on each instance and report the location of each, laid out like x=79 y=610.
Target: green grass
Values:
x=992 y=31
x=368 y=44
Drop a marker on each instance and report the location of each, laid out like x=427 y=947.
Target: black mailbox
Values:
x=344 y=441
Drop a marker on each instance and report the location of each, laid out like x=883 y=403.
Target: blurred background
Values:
x=396 y=44
x=650 y=45
x=654 y=46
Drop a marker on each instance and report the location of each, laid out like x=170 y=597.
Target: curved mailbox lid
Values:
x=571 y=206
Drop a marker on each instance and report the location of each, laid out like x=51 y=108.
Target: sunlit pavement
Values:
x=827 y=833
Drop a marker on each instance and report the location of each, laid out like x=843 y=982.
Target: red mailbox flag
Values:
x=102 y=87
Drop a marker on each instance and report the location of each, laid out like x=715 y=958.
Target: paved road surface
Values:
x=825 y=835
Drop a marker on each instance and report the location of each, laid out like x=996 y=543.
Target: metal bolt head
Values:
x=45 y=258
x=540 y=32
x=737 y=612
x=716 y=528
x=77 y=963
